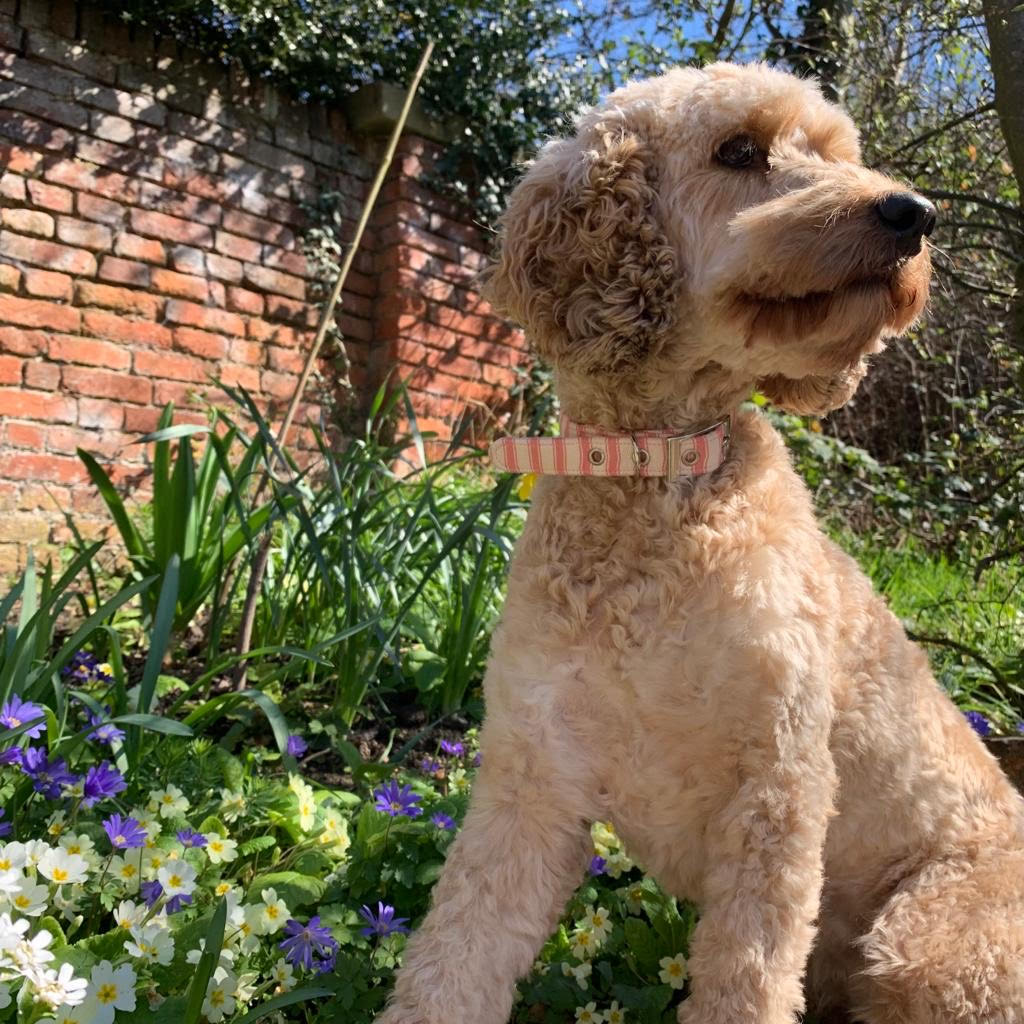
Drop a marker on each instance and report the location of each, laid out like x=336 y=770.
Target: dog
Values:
x=686 y=655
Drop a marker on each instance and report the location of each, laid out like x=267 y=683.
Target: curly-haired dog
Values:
x=687 y=655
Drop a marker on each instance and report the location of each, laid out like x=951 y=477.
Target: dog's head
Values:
x=716 y=217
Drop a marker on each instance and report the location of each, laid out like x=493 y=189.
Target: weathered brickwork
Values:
x=151 y=224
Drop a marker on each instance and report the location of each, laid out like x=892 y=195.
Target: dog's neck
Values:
x=666 y=399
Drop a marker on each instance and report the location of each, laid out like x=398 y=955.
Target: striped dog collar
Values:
x=588 y=451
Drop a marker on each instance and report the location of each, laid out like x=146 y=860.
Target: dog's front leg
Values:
x=521 y=853
x=762 y=885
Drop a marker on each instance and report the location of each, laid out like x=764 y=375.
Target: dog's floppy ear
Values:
x=584 y=265
x=813 y=396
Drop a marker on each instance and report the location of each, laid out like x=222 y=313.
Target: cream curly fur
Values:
x=696 y=662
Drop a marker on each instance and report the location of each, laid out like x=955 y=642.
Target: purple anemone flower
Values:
x=124 y=833
x=597 y=866
x=12 y=755
x=325 y=964
x=105 y=731
x=442 y=821
x=452 y=749
x=48 y=777
x=175 y=903
x=151 y=892
x=102 y=781
x=979 y=723
x=17 y=712
x=297 y=746
x=81 y=667
x=5 y=826
x=303 y=941
x=393 y=800
x=191 y=839
x=383 y=923
x=430 y=766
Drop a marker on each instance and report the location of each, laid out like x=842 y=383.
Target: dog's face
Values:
x=714 y=217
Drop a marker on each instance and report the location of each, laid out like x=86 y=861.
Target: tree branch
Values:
x=969 y=197
x=932 y=132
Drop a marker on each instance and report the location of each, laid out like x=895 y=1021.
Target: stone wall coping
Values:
x=373 y=109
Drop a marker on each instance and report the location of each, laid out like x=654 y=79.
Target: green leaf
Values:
x=642 y=943
x=295 y=889
x=207 y=962
x=155 y=723
x=299 y=995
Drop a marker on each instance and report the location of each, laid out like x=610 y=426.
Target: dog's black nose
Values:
x=907 y=216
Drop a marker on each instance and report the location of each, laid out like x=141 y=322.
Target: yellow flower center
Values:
x=5 y=865
x=216 y=846
x=175 y=881
x=106 y=993
x=167 y=798
x=675 y=970
x=21 y=901
x=60 y=875
x=217 y=997
x=73 y=849
x=128 y=871
x=272 y=913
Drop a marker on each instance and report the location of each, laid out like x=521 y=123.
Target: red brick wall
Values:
x=151 y=238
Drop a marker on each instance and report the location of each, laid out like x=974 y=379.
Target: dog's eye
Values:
x=740 y=152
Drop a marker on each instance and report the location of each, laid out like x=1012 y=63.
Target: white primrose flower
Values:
x=169 y=802
x=458 y=781
x=111 y=989
x=673 y=970
x=11 y=932
x=178 y=878
x=127 y=870
x=580 y=973
x=63 y=868
x=225 y=960
x=335 y=833
x=273 y=912
x=61 y=988
x=589 y=1014
x=618 y=864
x=615 y=1014
x=56 y=823
x=151 y=943
x=634 y=897
x=66 y=901
x=284 y=975
x=30 y=956
x=29 y=898
x=246 y=987
x=83 y=846
x=10 y=881
x=149 y=821
x=83 y=1013
x=597 y=920
x=219 y=848
x=307 y=802
x=130 y=914
x=244 y=923
x=220 y=996
x=584 y=944
x=35 y=850
x=232 y=805
x=12 y=856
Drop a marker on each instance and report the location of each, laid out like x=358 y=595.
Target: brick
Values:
x=106 y=384
x=118 y=328
x=120 y=158
x=192 y=208
x=112 y=128
x=15 y=125
x=138 y=248
x=44 y=376
x=120 y=271
x=239 y=248
x=84 y=234
x=47 y=254
x=124 y=300
x=183 y=285
x=246 y=224
x=28 y=222
x=50 y=197
x=104 y=210
x=201 y=343
x=10 y=278
x=192 y=315
x=37 y=313
x=67 y=348
x=12 y=186
x=250 y=352
x=243 y=301
x=68 y=54
x=224 y=268
x=100 y=414
x=85 y=177
x=268 y=280
x=187 y=151
x=277 y=334
x=37 y=405
x=70 y=439
x=33 y=466
x=285 y=259
x=24 y=435
x=172 y=229
x=126 y=104
x=171 y=366
x=46 y=284
x=355 y=327
x=26 y=528
x=188 y=260
x=184 y=394
x=285 y=360
x=10 y=369
x=141 y=420
x=240 y=376
x=22 y=342
x=280 y=307
x=40 y=104
x=218 y=294
x=19 y=161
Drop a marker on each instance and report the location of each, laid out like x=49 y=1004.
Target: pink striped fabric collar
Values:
x=590 y=451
